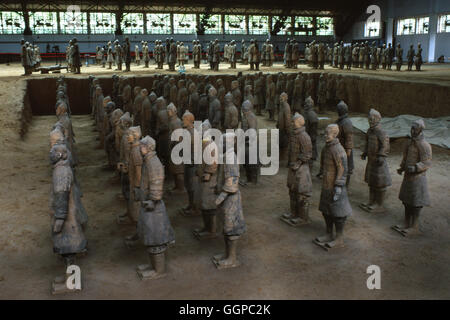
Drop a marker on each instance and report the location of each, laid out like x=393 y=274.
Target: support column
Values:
x=88 y=21
x=314 y=23
x=58 y=22
x=144 y=19
x=389 y=30
x=247 y=21
x=172 y=28
x=119 y=15
x=26 y=18
x=222 y=22
x=292 y=25
x=269 y=22
x=432 y=32
x=197 y=23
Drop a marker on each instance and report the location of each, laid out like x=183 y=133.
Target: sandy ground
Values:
x=432 y=73
x=278 y=261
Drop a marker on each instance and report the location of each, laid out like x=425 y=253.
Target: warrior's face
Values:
x=415 y=130
x=144 y=149
x=187 y=121
x=130 y=137
x=373 y=121
x=330 y=133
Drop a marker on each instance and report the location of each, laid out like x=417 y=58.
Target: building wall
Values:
x=433 y=44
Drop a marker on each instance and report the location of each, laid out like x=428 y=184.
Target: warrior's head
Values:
x=297 y=120
x=342 y=108
x=374 y=118
x=331 y=132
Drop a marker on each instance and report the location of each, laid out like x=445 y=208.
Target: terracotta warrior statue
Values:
x=298 y=93
x=299 y=178
x=249 y=121
x=162 y=131
x=133 y=168
x=231 y=120
x=176 y=170
x=270 y=97
x=189 y=169
x=67 y=231
x=207 y=176
x=284 y=123
x=214 y=113
x=414 y=190
x=410 y=56
x=311 y=124
x=259 y=93
x=112 y=144
x=346 y=136
x=230 y=203
x=153 y=225
x=399 y=57
x=334 y=203
x=377 y=173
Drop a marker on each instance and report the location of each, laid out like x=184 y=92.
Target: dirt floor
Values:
x=278 y=261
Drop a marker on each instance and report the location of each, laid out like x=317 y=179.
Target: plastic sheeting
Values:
x=437 y=130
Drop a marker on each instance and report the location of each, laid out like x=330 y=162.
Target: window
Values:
x=258 y=24
x=73 y=22
x=11 y=23
x=444 y=23
x=280 y=24
x=211 y=23
x=184 y=23
x=158 y=23
x=406 y=26
x=235 y=24
x=324 y=26
x=422 y=25
x=303 y=26
x=44 y=22
x=133 y=23
x=102 y=22
x=371 y=29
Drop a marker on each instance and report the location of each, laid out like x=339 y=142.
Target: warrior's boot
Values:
x=292 y=214
x=414 y=222
x=407 y=222
x=338 y=241
x=380 y=196
x=179 y=184
x=230 y=259
x=371 y=203
x=157 y=260
x=303 y=214
x=329 y=235
x=209 y=229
